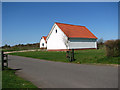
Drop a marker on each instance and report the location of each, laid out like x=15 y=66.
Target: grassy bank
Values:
x=81 y=56
x=10 y=80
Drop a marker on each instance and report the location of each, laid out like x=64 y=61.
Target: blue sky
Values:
x=27 y=22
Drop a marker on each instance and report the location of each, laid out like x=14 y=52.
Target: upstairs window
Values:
x=42 y=44
x=56 y=30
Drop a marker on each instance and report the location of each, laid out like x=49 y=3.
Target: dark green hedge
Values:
x=112 y=48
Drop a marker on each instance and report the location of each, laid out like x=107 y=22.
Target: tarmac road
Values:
x=49 y=74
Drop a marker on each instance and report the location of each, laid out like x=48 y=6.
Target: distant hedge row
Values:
x=113 y=48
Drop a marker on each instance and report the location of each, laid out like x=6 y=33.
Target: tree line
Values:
x=21 y=46
x=112 y=47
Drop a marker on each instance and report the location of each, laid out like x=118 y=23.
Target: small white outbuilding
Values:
x=63 y=37
x=43 y=42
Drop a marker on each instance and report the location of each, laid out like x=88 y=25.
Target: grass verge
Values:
x=10 y=80
x=81 y=56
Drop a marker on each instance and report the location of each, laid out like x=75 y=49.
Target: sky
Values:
x=27 y=22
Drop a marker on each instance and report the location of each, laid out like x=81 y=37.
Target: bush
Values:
x=100 y=43
x=112 y=48
x=100 y=46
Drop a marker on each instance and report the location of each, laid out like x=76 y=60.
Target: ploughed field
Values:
x=81 y=56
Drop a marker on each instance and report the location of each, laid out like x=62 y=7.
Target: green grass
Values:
x=81 y=56
x=10 y=80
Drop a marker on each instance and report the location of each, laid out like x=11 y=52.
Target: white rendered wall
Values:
x=56 y=40
x=82 y=43
x=43 y=41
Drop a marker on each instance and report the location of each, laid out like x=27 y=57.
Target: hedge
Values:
x=112 y=48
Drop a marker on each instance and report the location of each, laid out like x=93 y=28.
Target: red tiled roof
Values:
x=75 y=31
x=44 y=37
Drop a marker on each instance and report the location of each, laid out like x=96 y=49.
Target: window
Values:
x=56 y=30
x=42 y=44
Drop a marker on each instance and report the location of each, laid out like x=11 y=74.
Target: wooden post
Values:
x=7 y=60
x=4 y=60
x=73 y=55
x=70 y=55
x=2 y=55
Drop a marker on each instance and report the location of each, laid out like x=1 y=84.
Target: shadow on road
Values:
x=15 y=69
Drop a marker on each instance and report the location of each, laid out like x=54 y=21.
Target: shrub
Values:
x=100 y=46
x=100 y=43
x=112 y=48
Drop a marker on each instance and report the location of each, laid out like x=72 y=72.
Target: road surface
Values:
x=49 y=74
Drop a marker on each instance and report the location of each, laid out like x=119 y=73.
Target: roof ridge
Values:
x=69 y=24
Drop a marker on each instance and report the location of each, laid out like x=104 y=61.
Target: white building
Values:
x=43 y=42
x=66 y=36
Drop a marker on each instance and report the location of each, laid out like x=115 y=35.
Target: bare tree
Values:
x=65 y=40
x=100 y=41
